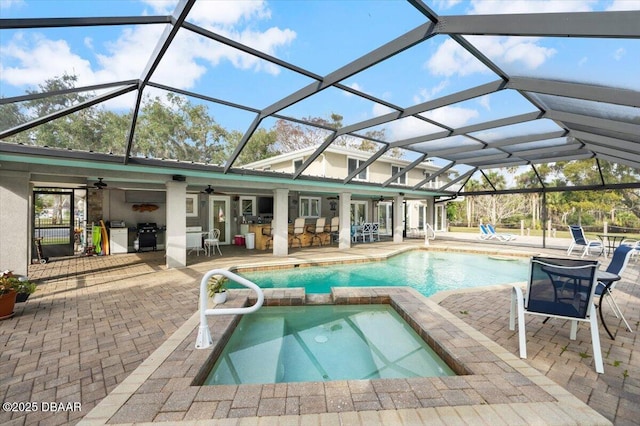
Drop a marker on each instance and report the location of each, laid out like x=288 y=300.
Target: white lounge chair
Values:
x=501 y=237
x=579 y=239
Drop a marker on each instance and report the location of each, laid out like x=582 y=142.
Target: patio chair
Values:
x=334 y=229
x=501 y=237
x=559 y=288
x=212 y=242
x=317 y=231
x=365 y=232
x=375 y=231
x=298 y=230
x=579 y=239
x=635 y=244
x=618 y=264
x=267 y=231
x=485 y=234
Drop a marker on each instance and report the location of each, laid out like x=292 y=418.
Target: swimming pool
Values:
x=324 y=343
x=427 y=271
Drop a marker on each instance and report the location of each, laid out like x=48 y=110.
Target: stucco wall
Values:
x=14 y=221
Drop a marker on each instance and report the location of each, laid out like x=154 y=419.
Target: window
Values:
x=297 y=164
x=192 y=205
x=353 y=164
x=402 y=179
x=309 y=206
x=248 y=206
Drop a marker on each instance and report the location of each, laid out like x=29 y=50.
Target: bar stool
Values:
x=268 y=232
x=318 y=231
x=298 y=229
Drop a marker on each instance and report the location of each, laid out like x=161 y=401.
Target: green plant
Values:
x=216 y=284
x=26 y=287
x=8 y=283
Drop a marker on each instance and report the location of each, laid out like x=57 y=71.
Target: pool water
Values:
x=426 y=271
x=324 y=343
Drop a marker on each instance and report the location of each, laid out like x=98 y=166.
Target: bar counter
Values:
x=305 y=238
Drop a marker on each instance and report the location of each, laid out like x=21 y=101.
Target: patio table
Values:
x=611 y=241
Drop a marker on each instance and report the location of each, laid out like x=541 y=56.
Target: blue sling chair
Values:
x=559 y=288
x=579 y=239
x=618 y=264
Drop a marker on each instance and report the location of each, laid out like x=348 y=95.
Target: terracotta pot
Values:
x=7 y=303
x=219 y=298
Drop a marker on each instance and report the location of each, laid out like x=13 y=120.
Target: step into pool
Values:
x=324 y=343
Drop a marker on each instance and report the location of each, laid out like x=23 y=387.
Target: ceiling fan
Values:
x=210 y=191
x=100 y=184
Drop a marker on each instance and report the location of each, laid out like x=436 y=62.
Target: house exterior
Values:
x=339 y=162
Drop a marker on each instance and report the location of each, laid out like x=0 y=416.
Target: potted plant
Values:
x=216 y=288
x=8 y=286
x=24 y=289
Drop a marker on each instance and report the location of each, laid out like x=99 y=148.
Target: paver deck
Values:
x=95 y=322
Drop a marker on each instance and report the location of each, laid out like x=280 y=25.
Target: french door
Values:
x=219 y=216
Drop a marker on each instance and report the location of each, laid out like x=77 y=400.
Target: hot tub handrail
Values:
x=204 y=340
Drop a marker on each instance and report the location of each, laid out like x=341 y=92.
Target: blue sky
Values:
x=320 y=36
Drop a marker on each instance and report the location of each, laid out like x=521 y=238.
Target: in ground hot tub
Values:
x=324 y=343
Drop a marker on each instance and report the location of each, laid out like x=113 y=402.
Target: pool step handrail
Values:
x=204 y=340
x=429 y=234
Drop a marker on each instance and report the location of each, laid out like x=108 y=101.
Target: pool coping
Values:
x=501 y=389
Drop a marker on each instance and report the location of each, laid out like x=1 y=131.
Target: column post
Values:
x=398 y=219
x=280 y=222
x=176 y=233
x=344 y=210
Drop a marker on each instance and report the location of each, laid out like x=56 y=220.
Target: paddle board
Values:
x=105 y=238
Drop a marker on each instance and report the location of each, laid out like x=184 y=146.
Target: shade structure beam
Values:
x=616 y=24
x=179 y=15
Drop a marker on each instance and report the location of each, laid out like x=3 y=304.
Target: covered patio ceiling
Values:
x=553 y=116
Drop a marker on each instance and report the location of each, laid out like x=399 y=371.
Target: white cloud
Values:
x=485 y=102
x=354 y=86
x=484 y=7
x=428 y=94
x=624 y=5
x=451 y=59
x=39 y=59
x=452 y=116
x=619 y=53
x=11 y=4
x=447 y=4
x=35 y=58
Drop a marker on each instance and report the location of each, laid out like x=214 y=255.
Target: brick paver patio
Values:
x=95 y=320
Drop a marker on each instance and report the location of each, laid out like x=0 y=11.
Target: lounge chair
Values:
x=559 y=288
x=484 y=233
x=617 y=265
x=635 y=244
x=579 y=239
x=501 y=237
